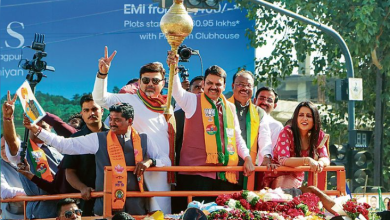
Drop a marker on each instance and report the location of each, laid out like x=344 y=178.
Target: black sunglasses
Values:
x=69 y=213
x=155 y=81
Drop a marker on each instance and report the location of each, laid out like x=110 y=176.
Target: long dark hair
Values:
x=315 y=131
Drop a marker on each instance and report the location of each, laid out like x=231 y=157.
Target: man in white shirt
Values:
x=148 y=114
x=267 y=99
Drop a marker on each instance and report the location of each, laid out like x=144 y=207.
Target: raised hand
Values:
x=9 y=106
x=172 y=59
x=105 y=62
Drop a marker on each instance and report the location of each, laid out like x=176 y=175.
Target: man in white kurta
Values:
x=267 y=99
x=145 y=120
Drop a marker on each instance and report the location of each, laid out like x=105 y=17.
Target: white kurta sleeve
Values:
x=264 y=140
x=104 y=98
x=162 y=159
x=186 y=100
x=88 y=144
x=276 y=127
x=14 y=159
x=8 y=191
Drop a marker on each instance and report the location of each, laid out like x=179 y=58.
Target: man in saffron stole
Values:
x=212 y=136
x=120 y=147
x=149 y=118
x=253 y=121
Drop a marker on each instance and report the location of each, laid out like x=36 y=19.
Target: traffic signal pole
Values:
x=344 y=48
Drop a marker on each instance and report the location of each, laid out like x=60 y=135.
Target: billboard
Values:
x=77 y=31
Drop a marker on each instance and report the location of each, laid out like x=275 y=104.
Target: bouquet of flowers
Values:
x=353 y=209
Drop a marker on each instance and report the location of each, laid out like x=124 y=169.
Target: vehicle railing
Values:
x=107 y=193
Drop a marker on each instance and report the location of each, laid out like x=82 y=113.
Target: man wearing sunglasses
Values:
x=253 y=120
x=67 y=209
x=149 y=117
x=212 y=135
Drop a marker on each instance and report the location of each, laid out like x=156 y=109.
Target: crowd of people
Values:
x=211 y=130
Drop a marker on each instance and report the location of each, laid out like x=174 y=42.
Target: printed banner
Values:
x=30 y=104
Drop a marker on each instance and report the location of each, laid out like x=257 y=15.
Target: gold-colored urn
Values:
x=176 y=24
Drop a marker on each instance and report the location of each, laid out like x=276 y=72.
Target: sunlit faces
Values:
x=305 y=119
x=213 y=86
x=91 y=113
x=3 y=155
x=243 y=87
x=151 y=89
x=266 y=101
x=70 y=211
x=197 y=87
x=119 y=124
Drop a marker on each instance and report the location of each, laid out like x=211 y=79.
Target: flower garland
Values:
x=249 y=205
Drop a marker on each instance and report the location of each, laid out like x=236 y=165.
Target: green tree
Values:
x=116 y=89
x=364 y=25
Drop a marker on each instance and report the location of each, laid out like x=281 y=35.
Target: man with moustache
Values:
x=253 y=121
x=212 y=136
x=44 y=158
x=195 y=86
x=119 y=147
x=148 y=106
x=267 y=99
x=78 y=167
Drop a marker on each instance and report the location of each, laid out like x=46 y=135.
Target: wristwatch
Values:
x=268 y=156
x=153 y=162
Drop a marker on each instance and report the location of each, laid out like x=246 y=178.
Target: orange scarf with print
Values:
x=118 y=164
x=216 y=153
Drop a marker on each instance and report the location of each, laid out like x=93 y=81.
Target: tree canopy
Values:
x=365 y=27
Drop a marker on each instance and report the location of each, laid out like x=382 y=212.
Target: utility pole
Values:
x=378 y=131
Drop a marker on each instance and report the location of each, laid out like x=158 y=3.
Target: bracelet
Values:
x=38 y=132
x=305 y=163
x=102 y=74
x=8 y=119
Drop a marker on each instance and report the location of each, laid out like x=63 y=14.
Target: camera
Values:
x=185 y=53
x=183 y=73
x=37 y=65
